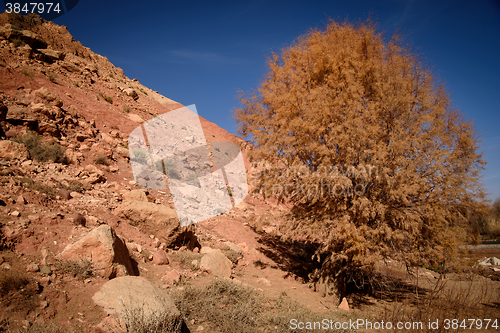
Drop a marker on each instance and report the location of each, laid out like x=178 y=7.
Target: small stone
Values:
x=344 y=305
x=44 y=304
x=75 y=195
x=46 y=270
x=65 y=194
x=20 y=199
x=172 y=277
x=32 y=268
x=160 y=258
x=495 y=261
x=15 y=213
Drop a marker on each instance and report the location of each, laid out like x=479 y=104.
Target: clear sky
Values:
x=203 y=52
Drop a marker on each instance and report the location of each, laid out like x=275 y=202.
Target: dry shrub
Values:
x=471 y=299
x=42 y=151
x=32 y=185
x=43 y=328
x=185 y=258
x=17 y=292
x=492 y=226
x=492 y=220
x=52 y=77
x=102 y=160
x=231 y=254
x=81 y=269
x=12 y=281
x=136 y=321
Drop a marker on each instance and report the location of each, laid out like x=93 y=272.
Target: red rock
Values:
x=78 y=219
x=160 y=258
x=344 y=305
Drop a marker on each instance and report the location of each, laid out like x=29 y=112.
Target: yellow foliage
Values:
x=358 y=136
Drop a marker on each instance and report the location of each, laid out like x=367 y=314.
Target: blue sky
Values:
x=203 y=52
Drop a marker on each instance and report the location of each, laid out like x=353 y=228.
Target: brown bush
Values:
x=41 y=151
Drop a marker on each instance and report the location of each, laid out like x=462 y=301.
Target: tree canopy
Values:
x=359 y=136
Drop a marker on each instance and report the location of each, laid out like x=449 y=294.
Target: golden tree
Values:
x=358 y=136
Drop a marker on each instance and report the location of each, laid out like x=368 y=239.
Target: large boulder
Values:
x=49 y=96
x=131 y=93
x=49 y=55
x=131 y=296
x=154 y=219
x=20 y=114
x=10 y=150
x=108 y=253
x=216 y=263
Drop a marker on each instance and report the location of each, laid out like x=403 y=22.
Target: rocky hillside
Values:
x=72 y=217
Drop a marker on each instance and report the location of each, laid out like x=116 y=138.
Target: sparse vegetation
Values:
x=231 y=254
x=185 y=258
x=231 y=307
x=25 y=72
x=17 y=42
x=171 y=169
x=463 y=301
x=137 y=321
x=32 y=185
x=11 y=281
x=80 y=269
x=126 y=109
x=102 y=160
x=142 y=91
x=41 y=151
x=52 y=77
x=139 y=156
x=106 y=98
x=76 y=84
x=111 y=75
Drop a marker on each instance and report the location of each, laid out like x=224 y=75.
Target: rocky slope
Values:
x=72 y=216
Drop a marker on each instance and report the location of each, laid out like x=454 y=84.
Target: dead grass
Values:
x=185 y=258
x=81 y=269
x=40 y=188
x=162 y=322
x=460 y=300
x=224 y=306
x=231 y=254
x=43 y=328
